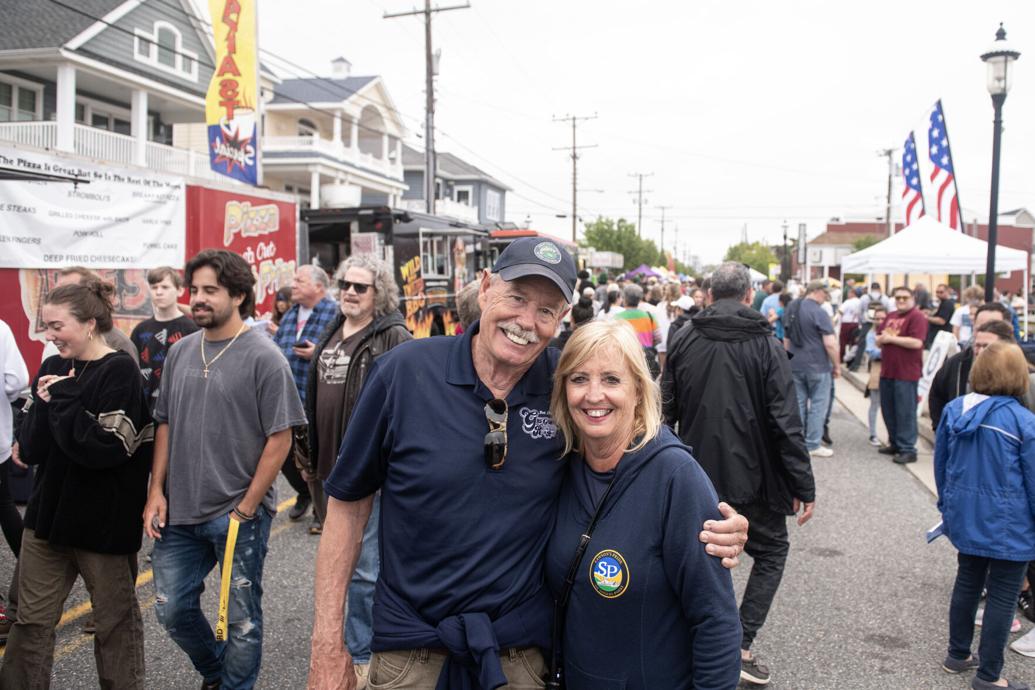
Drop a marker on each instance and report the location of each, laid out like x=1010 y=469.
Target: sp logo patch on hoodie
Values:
x=609 y=574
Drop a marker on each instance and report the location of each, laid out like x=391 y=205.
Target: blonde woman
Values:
x=647 y=607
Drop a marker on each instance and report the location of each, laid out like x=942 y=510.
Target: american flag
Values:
x=942 y=176
x=912 y=197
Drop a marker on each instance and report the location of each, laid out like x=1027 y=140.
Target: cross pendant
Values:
x=206 y=372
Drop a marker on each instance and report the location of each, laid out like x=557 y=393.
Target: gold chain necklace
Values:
x=205 y=363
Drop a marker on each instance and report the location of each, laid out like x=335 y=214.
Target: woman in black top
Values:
x=89 y=434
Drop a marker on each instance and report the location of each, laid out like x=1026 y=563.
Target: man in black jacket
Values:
x=728 y=385
x=951 y=380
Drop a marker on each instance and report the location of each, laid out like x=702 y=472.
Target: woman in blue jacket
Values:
x=648 y=607
x=984 y=465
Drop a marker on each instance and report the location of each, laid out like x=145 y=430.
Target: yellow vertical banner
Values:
x=232 y=101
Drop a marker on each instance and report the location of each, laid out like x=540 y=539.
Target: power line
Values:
x=332 y=87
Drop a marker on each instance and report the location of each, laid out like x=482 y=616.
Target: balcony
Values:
x=445 y=207
x=111 y=147
x=303 y=147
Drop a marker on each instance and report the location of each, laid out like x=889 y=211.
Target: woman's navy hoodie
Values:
x=649 y=608
x=984 y=466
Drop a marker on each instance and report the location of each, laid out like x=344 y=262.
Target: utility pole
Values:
x=574 y=119
x=639 y=192
x=785 y=263
x=890 y=154
x=662 y=245
x=429 y=102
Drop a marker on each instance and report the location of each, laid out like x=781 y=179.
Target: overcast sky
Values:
x=745 y=112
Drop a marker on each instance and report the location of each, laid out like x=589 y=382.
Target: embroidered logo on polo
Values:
x=548 y=252
x=537 y=423
x=609 y=574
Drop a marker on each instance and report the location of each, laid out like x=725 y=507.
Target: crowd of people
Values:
x=455 y=550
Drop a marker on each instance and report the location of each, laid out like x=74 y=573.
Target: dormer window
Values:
x=167 y=44
x=163 y=48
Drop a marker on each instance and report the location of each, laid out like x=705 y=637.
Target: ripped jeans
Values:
x=182 y=559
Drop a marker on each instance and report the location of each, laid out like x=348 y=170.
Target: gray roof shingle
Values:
x=319 y=90
x=45 y=24
x=448 y=165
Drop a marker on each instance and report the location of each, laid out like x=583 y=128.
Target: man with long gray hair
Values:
x=368 y=324
x=300 y=328
x=728 y=384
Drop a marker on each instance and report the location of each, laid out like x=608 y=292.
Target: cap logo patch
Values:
x=609 y=574
x=548 y=252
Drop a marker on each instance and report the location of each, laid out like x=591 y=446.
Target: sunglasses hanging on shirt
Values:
x=496 y=439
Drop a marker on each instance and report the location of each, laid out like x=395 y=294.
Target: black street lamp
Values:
x=999 y=59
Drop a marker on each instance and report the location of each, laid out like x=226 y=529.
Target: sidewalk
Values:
x=848 y=390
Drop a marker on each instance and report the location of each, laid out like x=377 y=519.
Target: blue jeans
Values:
x=814 y=400
x=1003 y=580
x=898 y=406
x=359 y=620
x=182 y=559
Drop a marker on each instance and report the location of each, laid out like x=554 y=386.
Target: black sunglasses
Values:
x=360 y=288
x=496 y=439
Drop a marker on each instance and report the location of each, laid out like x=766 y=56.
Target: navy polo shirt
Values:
x=456 y=536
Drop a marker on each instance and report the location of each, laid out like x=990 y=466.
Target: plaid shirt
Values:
x=323 y=316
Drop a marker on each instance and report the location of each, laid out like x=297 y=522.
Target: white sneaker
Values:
x=874 y=441
x=1025 y=645
x=822 y=452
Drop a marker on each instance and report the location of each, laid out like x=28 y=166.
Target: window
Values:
x=163 y=48
x=306 y=128
x=493 y=202
x=108 y=117
x=435 y=256
x=6 y=101
x=167 y=45
x=20 y=101
x=462 y=194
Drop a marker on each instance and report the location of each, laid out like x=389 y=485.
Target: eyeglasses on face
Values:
x=496 y=439
x=902 y=298
x=358 y=288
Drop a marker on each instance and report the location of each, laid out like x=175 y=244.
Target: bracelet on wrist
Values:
x=246 y=518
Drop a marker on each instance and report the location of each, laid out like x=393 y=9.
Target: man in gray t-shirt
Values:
x=809 y=337
x=225 y=409
x=219 y=425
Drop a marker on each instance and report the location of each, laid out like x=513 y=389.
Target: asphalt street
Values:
x=863 y=604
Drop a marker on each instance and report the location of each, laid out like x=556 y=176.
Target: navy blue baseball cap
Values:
x=537 y=256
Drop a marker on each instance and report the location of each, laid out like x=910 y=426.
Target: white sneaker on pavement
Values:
x=1025 y=645
x=822 y=452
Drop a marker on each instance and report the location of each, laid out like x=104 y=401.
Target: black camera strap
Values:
x=555 y=680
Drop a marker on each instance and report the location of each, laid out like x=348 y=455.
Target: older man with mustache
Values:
x=456 y=434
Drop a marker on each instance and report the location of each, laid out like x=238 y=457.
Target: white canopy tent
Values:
x=927 y=246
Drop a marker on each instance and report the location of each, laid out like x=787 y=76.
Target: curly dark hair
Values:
x=90 y=299
x=232 y=272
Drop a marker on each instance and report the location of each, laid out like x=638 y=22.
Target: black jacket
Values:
x=728 y=384
x=91 y=445
x=674 y=327
x=382 y=335
x=949 y=383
